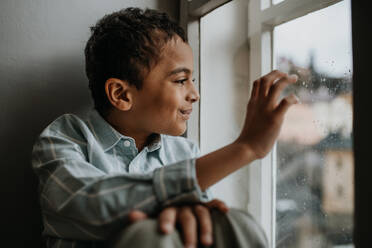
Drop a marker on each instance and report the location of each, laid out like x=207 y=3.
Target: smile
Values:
x=185 y=113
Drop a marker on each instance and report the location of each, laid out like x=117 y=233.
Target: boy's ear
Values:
x=119 y=93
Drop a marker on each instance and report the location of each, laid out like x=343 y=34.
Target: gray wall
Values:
x=41 y=77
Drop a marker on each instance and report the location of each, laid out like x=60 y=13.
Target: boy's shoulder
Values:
x=178 y=140
x=179 y=144
x=66 y=123
x=81 y=130
x=67 y=126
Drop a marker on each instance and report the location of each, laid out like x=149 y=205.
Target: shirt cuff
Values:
x=177 y=184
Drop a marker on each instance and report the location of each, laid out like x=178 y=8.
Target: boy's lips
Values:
x=185 y=113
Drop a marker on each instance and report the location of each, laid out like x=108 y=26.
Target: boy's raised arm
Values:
x=264 y=118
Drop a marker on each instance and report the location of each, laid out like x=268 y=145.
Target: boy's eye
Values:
x=182 y=81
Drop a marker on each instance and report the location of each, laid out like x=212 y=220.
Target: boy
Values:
x=126 y=161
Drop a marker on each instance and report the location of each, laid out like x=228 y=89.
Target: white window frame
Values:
x=263 y=16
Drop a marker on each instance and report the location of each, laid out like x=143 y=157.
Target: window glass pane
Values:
x=315 y=166
x=224 y=90
x=265 y=4
x=277 y=1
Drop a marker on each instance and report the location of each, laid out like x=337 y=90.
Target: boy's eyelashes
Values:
x=182 y=81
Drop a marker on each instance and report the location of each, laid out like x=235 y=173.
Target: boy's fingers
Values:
x=188 y=224
x=137 y=215
x=279 y=86
x=220 y=205
x=268 y=80
x=205 y=224
x=167 y=219
x=255 y=90
x=286 y=103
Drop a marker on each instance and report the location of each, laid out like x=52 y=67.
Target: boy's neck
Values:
x=140 y=137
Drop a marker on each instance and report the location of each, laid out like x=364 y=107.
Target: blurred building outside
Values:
x=315 y=162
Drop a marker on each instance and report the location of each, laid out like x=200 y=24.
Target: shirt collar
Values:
x=155 y=142
x=108 y=137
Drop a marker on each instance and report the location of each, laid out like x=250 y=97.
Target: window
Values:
x=315 y=140
x=236 y=42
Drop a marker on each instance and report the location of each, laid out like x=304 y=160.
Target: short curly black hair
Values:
x=126 y=45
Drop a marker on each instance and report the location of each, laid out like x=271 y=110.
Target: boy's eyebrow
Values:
x=178 y=70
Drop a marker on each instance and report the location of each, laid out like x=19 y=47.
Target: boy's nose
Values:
x=193 y=95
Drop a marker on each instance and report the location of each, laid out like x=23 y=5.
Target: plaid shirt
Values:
x=91 y=177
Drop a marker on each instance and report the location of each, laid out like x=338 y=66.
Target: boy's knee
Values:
x=237 y=228
x=233 y=229
x=145 y=234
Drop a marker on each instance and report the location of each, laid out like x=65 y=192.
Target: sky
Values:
x=327 y=33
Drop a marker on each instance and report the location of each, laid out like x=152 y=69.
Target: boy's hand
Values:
x=265 y=114
x=190 y=218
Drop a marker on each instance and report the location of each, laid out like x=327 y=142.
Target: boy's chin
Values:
x=177 y=131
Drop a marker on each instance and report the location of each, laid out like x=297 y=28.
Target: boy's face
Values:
x=164 y=103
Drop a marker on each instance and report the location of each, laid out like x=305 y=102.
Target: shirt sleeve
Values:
x=80 y=201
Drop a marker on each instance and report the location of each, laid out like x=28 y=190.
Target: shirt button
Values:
x=127 y=143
